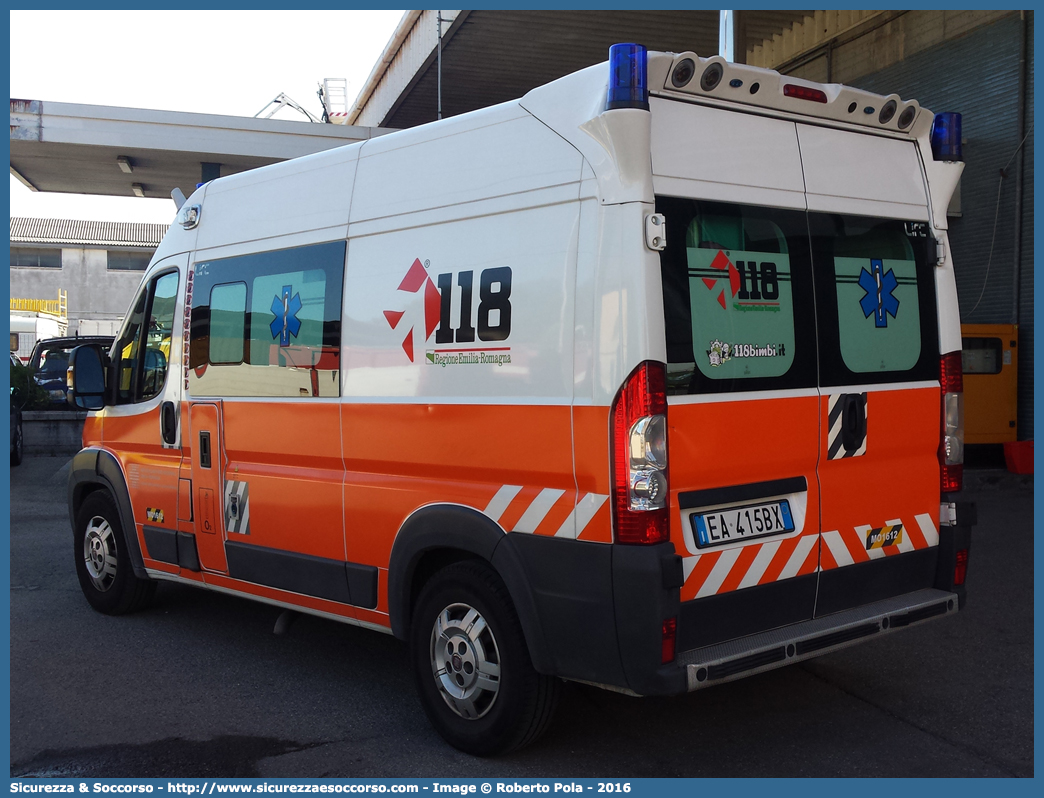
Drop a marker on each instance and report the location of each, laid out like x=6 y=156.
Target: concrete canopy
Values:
x=491 y=56
x=75 y=148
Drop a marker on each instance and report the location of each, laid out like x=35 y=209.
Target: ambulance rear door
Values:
x=878 y=366
x=743 y=418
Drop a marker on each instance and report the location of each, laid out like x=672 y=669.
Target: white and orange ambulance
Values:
x=650 y=379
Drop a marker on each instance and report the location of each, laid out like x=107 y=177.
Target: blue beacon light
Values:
x=628 y=83
x=946 y=137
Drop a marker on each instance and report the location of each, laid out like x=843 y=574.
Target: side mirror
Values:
x=86 y=377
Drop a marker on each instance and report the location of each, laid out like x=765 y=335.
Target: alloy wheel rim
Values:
x=99 y=553
x=465 y=661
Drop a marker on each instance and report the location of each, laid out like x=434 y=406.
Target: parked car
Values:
x=50 y=360
x=17 y=400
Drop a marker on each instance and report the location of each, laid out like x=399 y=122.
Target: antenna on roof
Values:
x=438 y=17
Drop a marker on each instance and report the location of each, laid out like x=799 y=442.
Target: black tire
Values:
x=17 y=445
x=486 y=675
x=102 y=563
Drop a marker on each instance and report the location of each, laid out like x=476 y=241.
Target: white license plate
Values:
x=731 y=524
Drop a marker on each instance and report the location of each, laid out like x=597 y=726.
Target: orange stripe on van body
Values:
x=593 y=468
x=600 y=528
x=518 y=506
x=150 y=470
x=557 y=515
x=739 y=569
x=289 y=453
x=897 y=478
x=402 y=457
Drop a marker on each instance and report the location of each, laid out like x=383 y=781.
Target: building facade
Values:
x=86 y=273
x=98 y=265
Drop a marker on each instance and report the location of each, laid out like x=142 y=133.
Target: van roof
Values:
x=716 y=79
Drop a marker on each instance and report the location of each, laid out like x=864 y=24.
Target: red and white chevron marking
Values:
x=755 y=564
x=543 y=511
x=848 y=547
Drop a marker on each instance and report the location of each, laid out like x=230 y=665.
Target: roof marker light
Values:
x=628 y=83
x=804 y=93
x=946 y=137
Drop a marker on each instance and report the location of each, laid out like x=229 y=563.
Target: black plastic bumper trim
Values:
x=741 y=493
x=710 y=620
x=303 y=573
x=864 y=583
x=837 y=638
x=161 y=544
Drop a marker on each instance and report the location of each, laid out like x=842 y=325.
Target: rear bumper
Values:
x=747 y=656
x=597 y=611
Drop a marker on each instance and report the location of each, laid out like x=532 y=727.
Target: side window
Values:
x=268 y=324
x=227 y=323
x=143 y=348
x=739 y=308
x=876 y=299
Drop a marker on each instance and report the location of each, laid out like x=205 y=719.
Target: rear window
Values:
x=767 y=299
x=875 y=300
x=738 y=298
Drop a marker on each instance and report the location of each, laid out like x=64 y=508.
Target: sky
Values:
x=216 y=62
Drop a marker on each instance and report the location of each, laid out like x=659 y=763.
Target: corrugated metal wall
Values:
x=978 y=75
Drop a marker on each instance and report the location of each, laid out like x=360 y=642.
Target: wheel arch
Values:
x=96 y=469
x=438 y=535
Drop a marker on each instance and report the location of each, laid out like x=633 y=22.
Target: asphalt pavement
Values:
x=199 y=686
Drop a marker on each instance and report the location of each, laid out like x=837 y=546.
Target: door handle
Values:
x=204 y=449
x=853 y=422
x=168 y=422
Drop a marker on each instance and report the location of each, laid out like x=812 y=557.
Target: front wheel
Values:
x=476 y=681
x=102 y=563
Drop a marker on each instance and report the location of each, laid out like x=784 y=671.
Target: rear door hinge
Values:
x=656 y=231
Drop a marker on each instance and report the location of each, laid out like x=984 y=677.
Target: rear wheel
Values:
x=102 y=562
x=474 y=675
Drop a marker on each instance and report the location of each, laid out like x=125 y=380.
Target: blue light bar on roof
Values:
x=628 y=85
x=946 y=137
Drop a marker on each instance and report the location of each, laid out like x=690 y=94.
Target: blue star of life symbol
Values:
x=285 y=307
x=878 y=298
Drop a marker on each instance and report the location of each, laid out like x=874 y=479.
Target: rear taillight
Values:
x=669 y=636
x=951 y=444
x=960 y=570
x=638 y=430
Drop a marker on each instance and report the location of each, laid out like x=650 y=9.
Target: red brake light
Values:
x=951 y=373
x=960 y=570
x=951 y=436
x=669 y=635
x=804 y=93
x=638 y=440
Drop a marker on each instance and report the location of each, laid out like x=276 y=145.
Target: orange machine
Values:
x=990 y=358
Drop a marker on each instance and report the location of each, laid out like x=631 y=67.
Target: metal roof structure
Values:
x=66 y=232
x=93 y=149
x=491 y=56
